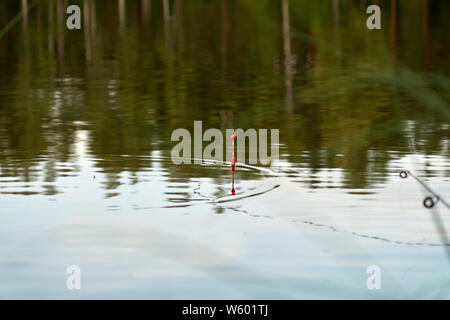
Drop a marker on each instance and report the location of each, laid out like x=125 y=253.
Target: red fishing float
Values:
x=233 y=165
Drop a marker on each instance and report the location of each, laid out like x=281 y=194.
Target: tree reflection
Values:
x=140 y=69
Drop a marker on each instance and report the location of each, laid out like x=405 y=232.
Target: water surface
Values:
x=85 y=171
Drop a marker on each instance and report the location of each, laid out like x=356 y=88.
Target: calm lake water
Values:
x=86 y=177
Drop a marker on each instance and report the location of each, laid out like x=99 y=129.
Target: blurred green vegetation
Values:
x=343 y=96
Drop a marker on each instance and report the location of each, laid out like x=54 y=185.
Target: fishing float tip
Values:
x=233 y=165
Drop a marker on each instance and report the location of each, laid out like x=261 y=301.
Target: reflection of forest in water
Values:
x=343 y=96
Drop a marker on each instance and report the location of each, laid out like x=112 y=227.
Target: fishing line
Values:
x=217 y=202
x=362 y=235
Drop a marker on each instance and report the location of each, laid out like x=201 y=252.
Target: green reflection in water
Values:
x=343 y=96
